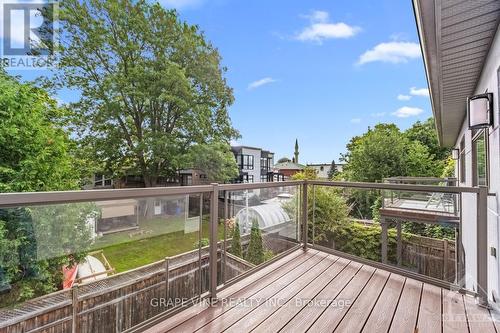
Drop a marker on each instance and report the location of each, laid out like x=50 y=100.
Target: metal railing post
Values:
x=214 y=212
x=304 y=215
x=482 y=245
x=167 y=277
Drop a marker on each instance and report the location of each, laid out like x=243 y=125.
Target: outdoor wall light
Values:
x=455 y=154
x=480 y=111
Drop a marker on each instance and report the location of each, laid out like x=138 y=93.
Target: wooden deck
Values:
x=316 y=292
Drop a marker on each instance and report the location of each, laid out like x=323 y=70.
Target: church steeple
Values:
x=296 y=154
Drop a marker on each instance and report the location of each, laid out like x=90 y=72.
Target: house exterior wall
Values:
x=322 y=170
x=256 y=163
x=489 y=81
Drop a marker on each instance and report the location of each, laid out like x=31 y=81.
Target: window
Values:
x=480 y=158
x=263 y=178
x=461 y=170
x=245 y=162
x=102 y=180
x=247 y=178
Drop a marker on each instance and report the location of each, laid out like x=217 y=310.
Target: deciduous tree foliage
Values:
x=385 y=151
x=216 y=160
x=151 y=85
x=36 y=154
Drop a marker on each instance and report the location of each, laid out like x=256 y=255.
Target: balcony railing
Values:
x=165 y=248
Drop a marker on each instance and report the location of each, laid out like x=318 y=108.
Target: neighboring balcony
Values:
x=266 y=257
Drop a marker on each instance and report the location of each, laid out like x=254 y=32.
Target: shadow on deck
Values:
x=319 y=292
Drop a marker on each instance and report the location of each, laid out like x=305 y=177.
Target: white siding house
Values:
x=461 y=48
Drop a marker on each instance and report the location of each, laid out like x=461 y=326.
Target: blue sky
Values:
x=314 y=77
x=321 y=71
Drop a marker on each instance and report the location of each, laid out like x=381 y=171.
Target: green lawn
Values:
x=131 y=254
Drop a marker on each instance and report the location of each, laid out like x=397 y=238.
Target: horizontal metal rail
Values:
x=252 y=186
x=397 y=187
x=62 y=197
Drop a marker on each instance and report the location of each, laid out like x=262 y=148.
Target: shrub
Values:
x=255 y=252
x=236 y=241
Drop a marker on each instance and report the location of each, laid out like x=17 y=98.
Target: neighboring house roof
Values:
x=455 y=37
x=288 y=166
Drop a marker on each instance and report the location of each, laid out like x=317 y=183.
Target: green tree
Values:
x=377 y=154
x=36 y=154
x=151 y=85
x=326 y=207
x=421 y=163
x=425 y=133
x=333 y=170
x=255 y=252
x=236 y=241
x=216 y=160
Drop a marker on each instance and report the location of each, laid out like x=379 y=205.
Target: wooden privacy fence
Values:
x=430 y=256
x=119 y=302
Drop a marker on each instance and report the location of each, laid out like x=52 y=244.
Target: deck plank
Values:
x=405 y=317
x=454 y=316
x=358 y=313
x=430 y=313
x=379 y=302
x=243 y=316
x=213 y=312
x=288 y=296
x=302 y=321
x=478 y=318
x=380 y=319
x=292 y=318
x=246 y=286
x=334 y=313
x=334 y=278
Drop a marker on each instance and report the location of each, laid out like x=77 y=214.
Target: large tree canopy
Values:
x=35 y=151
x=385 y=151
x=151 y=85
x=425 y=133
x=216 y=160
x=36 y=154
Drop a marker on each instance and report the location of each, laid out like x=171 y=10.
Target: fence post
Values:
x=214 y=212
x=74 y=306
x=167 y=277
x=482 y=245
x=304 y=215
x=446 y=256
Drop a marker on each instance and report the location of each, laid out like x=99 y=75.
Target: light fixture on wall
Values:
x=480 y=111
x=455 y=154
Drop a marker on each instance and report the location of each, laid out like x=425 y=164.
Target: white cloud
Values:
x=402 y=97
x=181 y=3
x=407 y=111
x=424 y=92
x=393 y=52
x=321 y=29
x=355 y=120
x=260 y=83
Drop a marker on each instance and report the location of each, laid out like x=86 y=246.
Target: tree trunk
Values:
x=150 y=181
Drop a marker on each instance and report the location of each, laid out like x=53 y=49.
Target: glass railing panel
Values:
x=259 y=224
x=102 y=266
x=417 y=235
